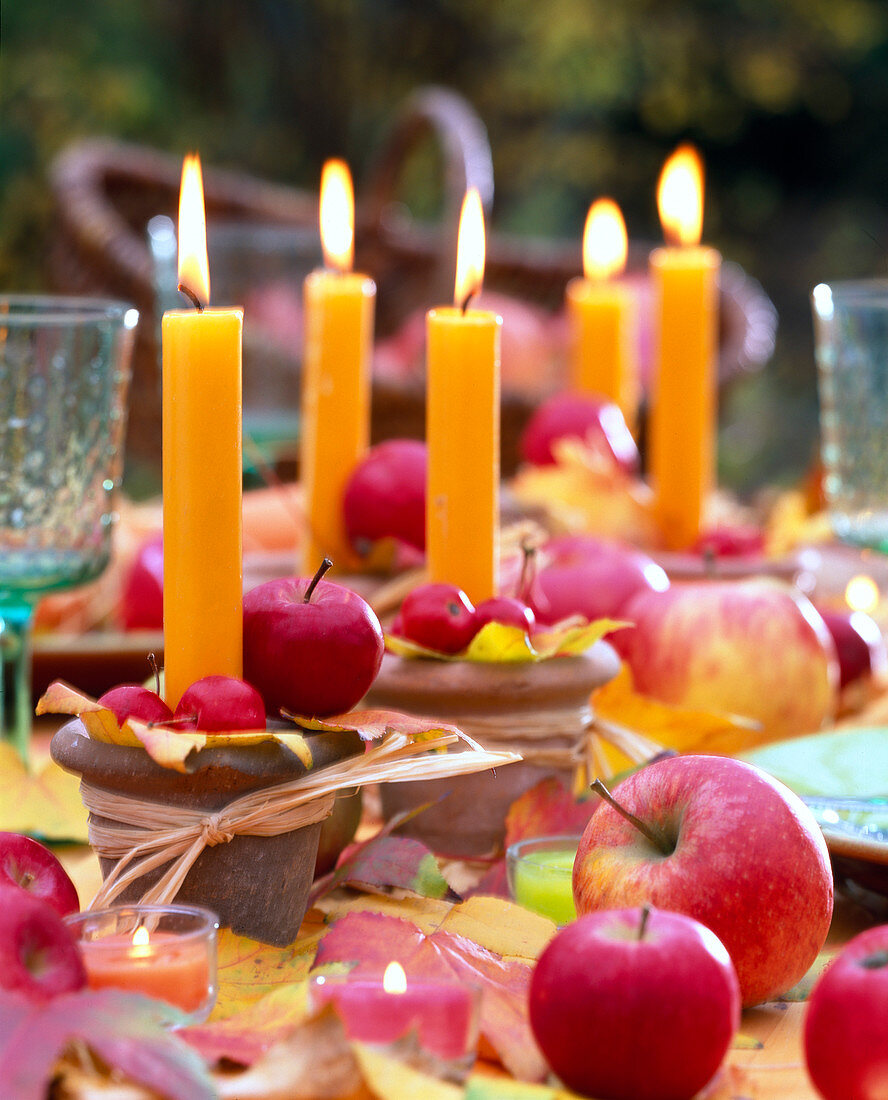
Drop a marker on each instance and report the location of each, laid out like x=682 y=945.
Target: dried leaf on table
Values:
x=316 y=1062
x=426 y=913
x=247 y=1035
x=387 y=862
x=369 y=941
x=548 y=809
x=248 y=970
x=101 y=723
x=498 y=1088
x=498 y=643
x=128 y=1032
x=620 y=705
x=392 y=1079
x=500 y=926
x=44 y=804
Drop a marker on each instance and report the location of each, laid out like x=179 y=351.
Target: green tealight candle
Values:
x=542 y=883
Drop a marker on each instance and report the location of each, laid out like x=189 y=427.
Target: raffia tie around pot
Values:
x=142 y=836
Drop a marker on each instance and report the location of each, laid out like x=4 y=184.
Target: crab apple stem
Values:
x=181 y=720
x=645 y=915
x=876 y=961
x=710 y=563
x=322 y=569
x=526 y=578
x=152 y=660
x=656 y=836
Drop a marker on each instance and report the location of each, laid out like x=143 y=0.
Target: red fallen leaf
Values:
x=370 y=941
x=548 y=809
x=494 y=883
x=126 y=1031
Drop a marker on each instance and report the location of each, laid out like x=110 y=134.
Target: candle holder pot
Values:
x=540 y=709
x=258 y=885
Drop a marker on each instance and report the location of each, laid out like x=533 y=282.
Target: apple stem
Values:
x=710 y=563
x=315 y=580
x=152 y=660
x=876 y=961
x=645 y=915
x=526 y=578
x=26 y=879
x=655 y=835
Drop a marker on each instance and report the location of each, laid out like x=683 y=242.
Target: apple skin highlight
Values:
x=749 y=862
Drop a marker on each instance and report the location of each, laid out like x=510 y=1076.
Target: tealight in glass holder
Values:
x=540 y=875
x=167 y=952
x=433 y=1025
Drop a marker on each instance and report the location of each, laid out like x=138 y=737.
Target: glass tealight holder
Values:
x=167 y=952
x=540 y=872
x=432 y=1025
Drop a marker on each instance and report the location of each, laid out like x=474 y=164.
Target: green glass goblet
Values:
x=64 y=370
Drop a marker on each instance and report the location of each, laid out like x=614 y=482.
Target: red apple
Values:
x=439 y=617
x=506 y=610
x=593 y=420
x=727 y=845
x=591 y=577
x=859 y=645
x=310 y=646
x=737 y=541
x=385 y=495
x=39 y=956
x=846 y=1028
x=135 y=701
x=754 y=647
x=141 y=598
x=26 y=864
x=217 y=703
x=634 y=1005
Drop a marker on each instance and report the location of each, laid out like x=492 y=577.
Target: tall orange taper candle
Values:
x=336 y=374
x=601 y=314
x=202 y=573
x=683 y=398
x=463 y=425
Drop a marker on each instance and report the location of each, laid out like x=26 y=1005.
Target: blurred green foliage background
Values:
x=787 y=100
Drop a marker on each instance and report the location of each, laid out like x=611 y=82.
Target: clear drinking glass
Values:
x=64 y=369
x=851 y=340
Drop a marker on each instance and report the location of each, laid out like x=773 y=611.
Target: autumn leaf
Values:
x=499 y=643
x=101 y=724
x=386 y=862
x=500 y=926
x=128 y=1032
x=246 y=1036
x=249 y=970
x=498 y=1088
x=372 y=725
x=44 y=804
x=392 y=1079
x=617 y=703
x=547 y=809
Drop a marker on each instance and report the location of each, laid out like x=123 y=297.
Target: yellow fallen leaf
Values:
x=500 y=926
x=173 y=748
x=249 y=970
x=45 y=803
x=101 y=724
x=390 y=1079
x=426 y=913
x=670 y=726
x=501 y=1088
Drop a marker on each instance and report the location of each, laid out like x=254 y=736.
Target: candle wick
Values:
x=465 y=302
x=192 y=297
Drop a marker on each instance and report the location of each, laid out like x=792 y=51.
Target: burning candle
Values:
x=202 y=612
x=463 y=424
x=165 y=952
x=444 y=1015
x=683 y=398
x=336 y=373
x=601 y=314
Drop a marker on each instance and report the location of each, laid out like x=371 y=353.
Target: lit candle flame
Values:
x=862 y=594
x=605 y=241
x=470 y=249
x=680 y=197
x=194 y=269
x=394 y=980
x=141 y=941
x=337 y=215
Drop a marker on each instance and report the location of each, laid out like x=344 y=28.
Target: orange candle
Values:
x=683 y=399
x=336 y=374
x=160 y=965
x=463 y=426
x=601 y=314
x=202 y=612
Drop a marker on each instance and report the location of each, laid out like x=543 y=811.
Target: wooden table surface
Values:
x=773 y=1071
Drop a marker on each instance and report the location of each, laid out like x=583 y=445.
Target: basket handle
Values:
x=467 y=158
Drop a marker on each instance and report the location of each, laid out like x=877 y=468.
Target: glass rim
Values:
x=524 y=850
x=208 y=921
x=867 y=292
x=29 y=310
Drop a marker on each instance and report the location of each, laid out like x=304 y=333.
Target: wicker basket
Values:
x=106 y=193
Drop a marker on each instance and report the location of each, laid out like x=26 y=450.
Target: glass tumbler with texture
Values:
x=64 y=369
x=851 y=339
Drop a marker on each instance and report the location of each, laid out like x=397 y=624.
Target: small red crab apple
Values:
x=39 y=956
x=218 y=703
x=439 y=617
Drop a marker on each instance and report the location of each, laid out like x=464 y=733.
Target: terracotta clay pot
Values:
x=468 y=815
x=258 y=886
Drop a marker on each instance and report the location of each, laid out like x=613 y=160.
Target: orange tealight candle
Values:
x=601 y=314
x=462 y=425
x=336 y=374
x=202 y=467
x=154 y=965
x=683 y=399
